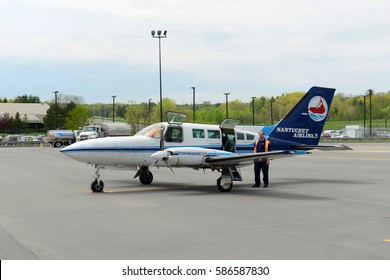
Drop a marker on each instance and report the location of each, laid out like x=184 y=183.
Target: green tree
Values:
x=77 y=117
x=136 y=115
x=27 y=99
x=168 y=105
x=25 y=125
x=5 y=122
x=17 y=123
x=56 y=115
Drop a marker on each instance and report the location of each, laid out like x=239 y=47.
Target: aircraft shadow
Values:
x=278 y=189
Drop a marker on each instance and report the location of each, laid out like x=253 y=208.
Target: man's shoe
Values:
x=265 y=186
x=255 y=186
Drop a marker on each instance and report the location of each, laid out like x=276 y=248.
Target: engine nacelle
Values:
x=181 y=156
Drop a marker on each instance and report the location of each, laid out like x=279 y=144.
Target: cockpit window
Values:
x=174 y=134
x=151 y=131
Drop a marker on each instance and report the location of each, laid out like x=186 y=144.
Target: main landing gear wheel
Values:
x=225 y=186
x=146 y=178
x=97 y=186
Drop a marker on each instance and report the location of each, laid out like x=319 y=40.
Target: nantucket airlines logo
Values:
x=317 y=108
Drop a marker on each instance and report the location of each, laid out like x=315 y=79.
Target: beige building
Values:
x=33 y=111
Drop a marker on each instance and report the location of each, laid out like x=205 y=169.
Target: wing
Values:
x=321 y=147
x=245 y=159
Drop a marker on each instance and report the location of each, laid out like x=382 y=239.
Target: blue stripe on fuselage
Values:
x=150 y=149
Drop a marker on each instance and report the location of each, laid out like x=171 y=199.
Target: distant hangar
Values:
x=35 y=112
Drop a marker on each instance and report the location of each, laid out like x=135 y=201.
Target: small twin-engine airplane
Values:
x=199 y=146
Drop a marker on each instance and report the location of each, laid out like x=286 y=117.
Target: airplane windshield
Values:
x=151 y=131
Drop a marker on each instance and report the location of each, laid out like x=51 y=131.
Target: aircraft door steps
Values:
x=234 y=173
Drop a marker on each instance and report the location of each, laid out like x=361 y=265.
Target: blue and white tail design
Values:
x=304 y=123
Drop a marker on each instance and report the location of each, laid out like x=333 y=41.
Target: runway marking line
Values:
x=133 y=190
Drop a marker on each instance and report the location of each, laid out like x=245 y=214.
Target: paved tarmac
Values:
x=328 y=205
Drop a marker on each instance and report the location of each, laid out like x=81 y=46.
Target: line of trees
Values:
x=70 y=113
x=343 y=108
x=17 y=123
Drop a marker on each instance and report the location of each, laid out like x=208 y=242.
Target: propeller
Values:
x=162 y=156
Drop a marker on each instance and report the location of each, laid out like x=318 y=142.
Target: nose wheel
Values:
x=97 y=185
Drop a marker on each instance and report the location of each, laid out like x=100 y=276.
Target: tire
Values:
x=57 y=144
x=224 y=188
x=95 y=187
x=146 y=178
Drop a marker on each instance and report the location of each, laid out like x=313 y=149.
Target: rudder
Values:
x=304 y=123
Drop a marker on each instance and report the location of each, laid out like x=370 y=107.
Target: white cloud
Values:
x=247 y=46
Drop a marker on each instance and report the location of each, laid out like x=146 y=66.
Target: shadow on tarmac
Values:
x=278 y=190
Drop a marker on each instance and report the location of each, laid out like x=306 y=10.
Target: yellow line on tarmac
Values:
x=133 y=190
x=387 y=240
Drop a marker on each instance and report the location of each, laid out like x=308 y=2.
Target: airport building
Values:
x=34 y=112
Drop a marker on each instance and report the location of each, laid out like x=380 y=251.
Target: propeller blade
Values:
x=170 y=167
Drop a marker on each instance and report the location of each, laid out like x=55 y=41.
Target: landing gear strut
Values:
x=97 y=185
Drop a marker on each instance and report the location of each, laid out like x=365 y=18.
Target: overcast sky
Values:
x=99 y=48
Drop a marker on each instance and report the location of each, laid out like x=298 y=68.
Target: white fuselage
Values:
x=194 y=140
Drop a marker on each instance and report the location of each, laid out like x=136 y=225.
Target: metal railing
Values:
x=22 y=143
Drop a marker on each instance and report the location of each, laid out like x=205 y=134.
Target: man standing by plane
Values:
x=261 y=145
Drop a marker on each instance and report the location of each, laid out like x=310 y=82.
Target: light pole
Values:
x=370 y=93
x=227 y=104
x=149 y=108
x=113 y=108
x=364 y=115
x=253 y=110
x=193 y=104
x=159 y=35
x=55 y=98
x=272 y=115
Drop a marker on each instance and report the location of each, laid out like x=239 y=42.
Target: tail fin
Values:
x=304 y=123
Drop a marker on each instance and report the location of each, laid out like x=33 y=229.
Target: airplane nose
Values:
x=71 y=151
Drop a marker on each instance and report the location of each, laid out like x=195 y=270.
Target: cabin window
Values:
x=214 y=134
x=250 y=137
x=240 y=136
x=174 y=134
x=198 y=133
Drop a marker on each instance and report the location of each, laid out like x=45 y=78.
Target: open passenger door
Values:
x=229 y=135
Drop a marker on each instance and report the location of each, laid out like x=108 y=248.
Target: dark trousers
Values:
x=264 y=167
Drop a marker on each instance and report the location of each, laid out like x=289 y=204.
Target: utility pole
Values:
x=193 y=104
x=227 y=104
x=113 y=108
x=55 y=98
x=370 y=93
x=272 y=115
x=253 y=110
